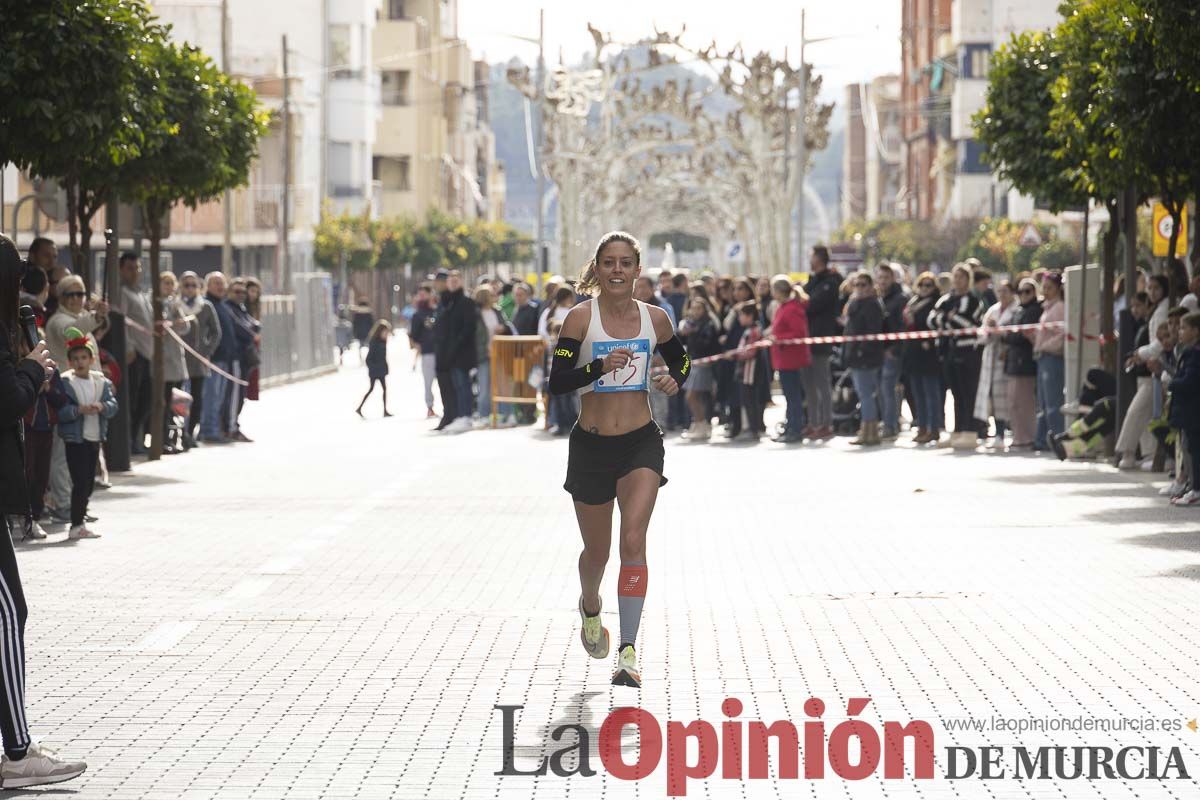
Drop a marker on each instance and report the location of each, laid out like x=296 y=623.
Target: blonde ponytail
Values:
x=587 y=283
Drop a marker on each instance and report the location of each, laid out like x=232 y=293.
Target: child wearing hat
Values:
x=83 y=425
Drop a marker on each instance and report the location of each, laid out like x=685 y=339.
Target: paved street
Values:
x=334 y=610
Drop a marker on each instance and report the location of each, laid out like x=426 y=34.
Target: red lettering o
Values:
x=610 y=743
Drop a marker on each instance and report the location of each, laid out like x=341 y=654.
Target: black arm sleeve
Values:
x=565 y=377
x=678 y=363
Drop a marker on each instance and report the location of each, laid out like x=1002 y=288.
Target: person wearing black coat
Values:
x=922 y=361
x=822 y=290
x=20 y=381
x=454 y=346
x=377 y=365
x=864 y=317
x=526 y=311
x=420 y=338
x=960 y=309
x=894 y=297
x=1021 y=368
x=1184 y=414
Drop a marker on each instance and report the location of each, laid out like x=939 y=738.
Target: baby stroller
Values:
x=180 y=410
x=847 y=416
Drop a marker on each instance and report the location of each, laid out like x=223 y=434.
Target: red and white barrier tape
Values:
x=893 y=337
x=190 y=349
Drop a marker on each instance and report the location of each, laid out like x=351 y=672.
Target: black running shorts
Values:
x=595 y=463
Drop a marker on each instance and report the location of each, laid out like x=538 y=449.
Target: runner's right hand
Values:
x=617 y=359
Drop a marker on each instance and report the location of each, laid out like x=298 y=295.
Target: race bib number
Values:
x=631 y=378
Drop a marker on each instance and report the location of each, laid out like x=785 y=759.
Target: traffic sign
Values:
x=1030 y=237
x=1162 y=232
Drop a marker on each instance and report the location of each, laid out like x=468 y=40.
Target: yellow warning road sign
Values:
x=1162 y=232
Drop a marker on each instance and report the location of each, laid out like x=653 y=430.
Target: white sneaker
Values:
x=82 y=532
x=593 y=635
x=460 y=425
x=40 y=766
x=1128 y=461
x=627 y=672
x=1171 y=489
x=1190 y=499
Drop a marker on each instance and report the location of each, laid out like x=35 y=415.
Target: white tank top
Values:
x=598 y=344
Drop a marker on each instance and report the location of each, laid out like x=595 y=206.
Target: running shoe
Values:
x=627 y=674
x=40 y=766
x=593 y=635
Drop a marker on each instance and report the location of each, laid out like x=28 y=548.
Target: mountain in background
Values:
x=508 y=121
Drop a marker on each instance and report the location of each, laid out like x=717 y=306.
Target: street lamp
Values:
x=802 y=145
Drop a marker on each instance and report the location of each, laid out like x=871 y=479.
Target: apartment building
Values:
x=433 y=146
x=925 y=106
x=978 y=28
x=871 y=160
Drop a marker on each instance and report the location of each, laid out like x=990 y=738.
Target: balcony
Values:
x=255 y=218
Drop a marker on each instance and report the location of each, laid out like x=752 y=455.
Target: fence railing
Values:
x=298 y=332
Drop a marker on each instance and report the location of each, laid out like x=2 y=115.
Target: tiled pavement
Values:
x=334 y=610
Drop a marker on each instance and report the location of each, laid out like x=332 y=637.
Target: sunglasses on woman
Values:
x=67 y=295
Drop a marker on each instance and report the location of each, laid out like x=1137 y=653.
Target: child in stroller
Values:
x=180 y=411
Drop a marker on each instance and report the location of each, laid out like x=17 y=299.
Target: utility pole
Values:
x=283 y=268
x=541 y=169
x=323 y=179
x=801 y=151
x=227 y=202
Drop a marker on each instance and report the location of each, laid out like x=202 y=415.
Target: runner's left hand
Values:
x=666 y=384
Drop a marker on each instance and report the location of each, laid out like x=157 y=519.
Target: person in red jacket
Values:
x=790 y=322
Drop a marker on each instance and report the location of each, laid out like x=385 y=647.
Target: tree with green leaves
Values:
x=207 y=145
x=1014 y=124
x=1151 y=110
x=71 y=106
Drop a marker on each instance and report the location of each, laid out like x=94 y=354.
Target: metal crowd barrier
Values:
x=517 y=367
x=298 y=331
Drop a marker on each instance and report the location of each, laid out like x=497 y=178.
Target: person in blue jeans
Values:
x=1048 y=346
x=923 y=363
x=894 y=298
x=216 y=387
x=864 y=316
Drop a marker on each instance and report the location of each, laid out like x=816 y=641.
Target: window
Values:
x=393 y=87
x=974 y=60
x=341 y=170
x=396 y=9
x=391 y=172
x=969 y=159
x=341 y=53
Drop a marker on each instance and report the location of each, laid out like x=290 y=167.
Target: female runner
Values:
x=616 y=449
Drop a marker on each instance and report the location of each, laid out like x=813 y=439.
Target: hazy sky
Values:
x=867 y=31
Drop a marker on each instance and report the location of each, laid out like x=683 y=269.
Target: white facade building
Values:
x=334 y=106
x=353 y=110
x=978 y=29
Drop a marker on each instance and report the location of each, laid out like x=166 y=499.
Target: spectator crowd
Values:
x=994 y=373
x=205 y=387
